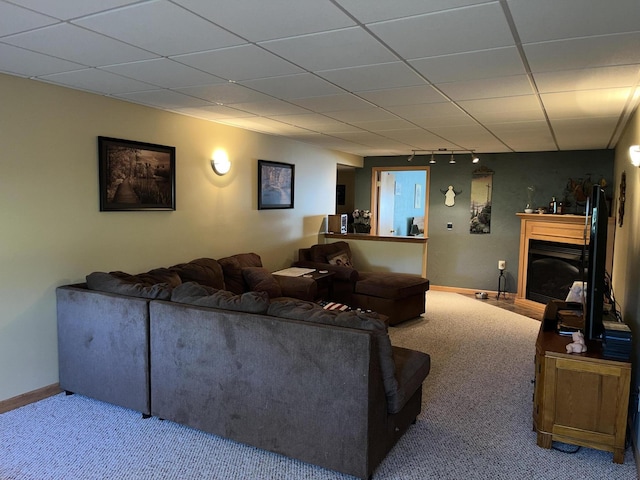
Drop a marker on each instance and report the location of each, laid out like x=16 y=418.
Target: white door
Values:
x=386 y=199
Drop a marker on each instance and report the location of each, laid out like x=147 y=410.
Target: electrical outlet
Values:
x=449 y=225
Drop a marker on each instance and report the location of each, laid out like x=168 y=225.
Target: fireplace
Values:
x=552 y=269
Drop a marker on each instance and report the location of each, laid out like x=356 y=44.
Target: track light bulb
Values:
x=474 y=158
x=453 y=160
x=433 y=158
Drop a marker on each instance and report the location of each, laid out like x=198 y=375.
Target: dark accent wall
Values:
x=457 y=258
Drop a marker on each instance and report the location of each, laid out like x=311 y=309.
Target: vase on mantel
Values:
x=361 y=228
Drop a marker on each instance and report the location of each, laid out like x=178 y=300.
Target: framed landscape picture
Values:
x=275 y=185
x=136 y=175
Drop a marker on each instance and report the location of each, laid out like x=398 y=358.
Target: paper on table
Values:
x=294 y=271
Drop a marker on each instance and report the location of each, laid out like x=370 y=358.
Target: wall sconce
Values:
x=220 y=162
x=634 y=153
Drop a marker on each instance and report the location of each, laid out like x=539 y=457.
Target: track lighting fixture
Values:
x=452 y=159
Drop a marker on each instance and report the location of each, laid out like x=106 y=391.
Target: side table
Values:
x=324 y=280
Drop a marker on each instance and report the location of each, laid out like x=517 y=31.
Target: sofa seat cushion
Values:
x=391 y=285
x=412 y=367
x=258 y=279
x=193 y=293
x=205 y=271
x=122 y=283
x=370 y=321
x=232 y=268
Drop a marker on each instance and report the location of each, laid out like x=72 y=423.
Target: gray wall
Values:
x=457 y=258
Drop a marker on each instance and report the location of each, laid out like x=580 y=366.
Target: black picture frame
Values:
x=136 y=175
x=276 y=182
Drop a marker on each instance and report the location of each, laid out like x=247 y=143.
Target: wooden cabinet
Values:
x=580 y=399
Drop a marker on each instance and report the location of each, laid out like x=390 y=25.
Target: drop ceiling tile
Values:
x=426 y=110
x=487 y=88
x=97 y=81
x=466 y=29
x=67 y=9
x=586 y=103
x=264 y=125
x=332 y=103
x=244 y=62
x=76 y=44
x=312 y=121
x=459 y=119
x=524 y=108
x=213 y=112
x=367 y=11
x=587 y=79
x=272 y=19
x=419 y=138
x=572 y=18
x=268 y=108
x=369 y=114
x=382 y=125
x=225 y=93
x=497 y=62
x=391 y=97
x=519 y=135
x=14 y=19
x=332 y=50
x=293 y=86
x=372 y=139
x=188 y=32
x=19 y=61
x=163 y=99
x=601 y=51
x=373 y=77
x=584 y=133
x=164 y=73
x=467 y=136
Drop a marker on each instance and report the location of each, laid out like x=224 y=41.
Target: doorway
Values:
x=399 y=201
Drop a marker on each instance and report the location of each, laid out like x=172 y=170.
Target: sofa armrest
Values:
x=301 y=288
x=341 y=273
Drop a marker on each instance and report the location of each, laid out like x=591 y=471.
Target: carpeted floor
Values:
x=475 y=423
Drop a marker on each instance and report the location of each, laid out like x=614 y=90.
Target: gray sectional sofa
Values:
x=221 y=346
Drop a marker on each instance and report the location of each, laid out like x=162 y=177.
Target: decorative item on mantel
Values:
x=361 y=221
x=529 y=207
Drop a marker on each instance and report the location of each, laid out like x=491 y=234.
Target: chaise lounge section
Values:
x=399 y=296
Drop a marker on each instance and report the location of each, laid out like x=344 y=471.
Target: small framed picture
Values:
x=275 y=185
x=136 y=175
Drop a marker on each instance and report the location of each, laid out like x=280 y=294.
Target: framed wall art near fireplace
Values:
x=275 y=185
x=136 y=175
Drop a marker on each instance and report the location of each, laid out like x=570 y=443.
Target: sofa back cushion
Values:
x=373 y=322
x=122 y=283
x=232 y=268
x=320 y=253
x=194 y=293
x=205 y=271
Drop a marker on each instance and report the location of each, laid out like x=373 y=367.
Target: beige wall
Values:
x=53 y=232
x=626 y=257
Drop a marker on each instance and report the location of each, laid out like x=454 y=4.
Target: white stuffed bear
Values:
x=578 y=345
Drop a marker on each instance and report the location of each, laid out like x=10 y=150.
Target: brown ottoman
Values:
x=400 y=296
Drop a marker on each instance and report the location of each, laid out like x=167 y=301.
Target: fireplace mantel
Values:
x=570 y=229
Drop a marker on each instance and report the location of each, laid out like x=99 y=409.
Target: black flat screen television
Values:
x=596 y=270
